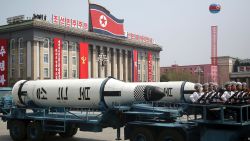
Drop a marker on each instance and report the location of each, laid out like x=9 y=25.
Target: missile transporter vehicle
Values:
x=154 y=111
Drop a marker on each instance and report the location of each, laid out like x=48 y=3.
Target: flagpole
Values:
x=90 y=22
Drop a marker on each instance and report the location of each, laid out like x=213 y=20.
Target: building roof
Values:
x=45 y=25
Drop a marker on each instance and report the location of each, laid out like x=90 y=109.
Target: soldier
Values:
x=233 y=87
x=211 y=91
x=204 y=94
x=215 y=94
x=227 y=94
x=244 y=87
x=243 y=97
x=197 y=94
x=235 y=92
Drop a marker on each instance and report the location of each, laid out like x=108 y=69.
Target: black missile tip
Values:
x=153 y=93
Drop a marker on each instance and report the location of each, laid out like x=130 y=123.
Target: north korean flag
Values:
x=102 y=21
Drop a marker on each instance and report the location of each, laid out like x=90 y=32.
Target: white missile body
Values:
x=82 y=93
x=176 y=91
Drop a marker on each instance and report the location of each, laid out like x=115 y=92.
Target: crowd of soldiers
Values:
x=231 y=93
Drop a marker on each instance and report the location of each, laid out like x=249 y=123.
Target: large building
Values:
x=32 y=55
x=241 y=71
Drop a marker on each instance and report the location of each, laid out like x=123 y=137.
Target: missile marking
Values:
x=61 y=94
x=84 y=93
x=168 y=92
x=112 y=93
x=41 y=94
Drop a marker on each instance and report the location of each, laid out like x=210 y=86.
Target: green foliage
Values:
x=179 y=75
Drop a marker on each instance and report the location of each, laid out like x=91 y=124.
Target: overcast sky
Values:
x=181 y=27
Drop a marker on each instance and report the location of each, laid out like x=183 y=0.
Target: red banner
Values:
x=150 y=76
x=3 y=63
x=83 y=60
x=135 y=67
x=57 y=58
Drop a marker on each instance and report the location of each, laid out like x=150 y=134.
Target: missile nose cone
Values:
x=153 y=93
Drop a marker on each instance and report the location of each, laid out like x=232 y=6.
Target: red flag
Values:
x=3 y=63
x=135 y=67
x=83 y=60
x=105 y=23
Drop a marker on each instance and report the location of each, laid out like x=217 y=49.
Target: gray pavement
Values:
x=108 y=134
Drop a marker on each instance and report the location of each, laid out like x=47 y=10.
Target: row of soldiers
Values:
x=232 y=93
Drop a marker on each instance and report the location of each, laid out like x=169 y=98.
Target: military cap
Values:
x=227 y=84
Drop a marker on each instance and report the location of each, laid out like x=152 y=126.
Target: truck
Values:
x=159 y=120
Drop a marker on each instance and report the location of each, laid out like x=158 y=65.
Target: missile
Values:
x=82 y=93
x=175 y=91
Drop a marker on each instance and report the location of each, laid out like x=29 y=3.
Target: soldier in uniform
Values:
x=197 y=94
x=227 y=93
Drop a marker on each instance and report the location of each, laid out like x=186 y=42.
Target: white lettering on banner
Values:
x=2 y=51
x=2 y=65
x=2 y=79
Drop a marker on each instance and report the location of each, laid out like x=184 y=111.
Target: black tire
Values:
x=17 y=130
x=141 y=134
x=70 y=132
x=170 y=135
x=35 y=132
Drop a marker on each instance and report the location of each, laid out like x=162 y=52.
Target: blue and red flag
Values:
x=102 y=21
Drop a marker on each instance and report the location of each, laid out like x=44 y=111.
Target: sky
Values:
x=181 y=27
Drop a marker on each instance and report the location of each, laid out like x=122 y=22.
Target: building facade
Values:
x=241 y=71
x=31 y=54
x=225 y=67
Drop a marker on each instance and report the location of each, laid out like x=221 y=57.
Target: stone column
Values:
x=121 y=64
x=94 y=65
x=101 y=68
x=29 y=63
x=89 y=62
x=158 y=68
x=114 y=62
x=126 y=66
x=109 y=62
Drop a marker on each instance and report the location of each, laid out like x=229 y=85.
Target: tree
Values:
x=179 y=75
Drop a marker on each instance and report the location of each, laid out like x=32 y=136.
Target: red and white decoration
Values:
x=57 y=58
x=150 y=72
x=3 y=63
x=135 y=66
x=139 y=38
x=68 y=22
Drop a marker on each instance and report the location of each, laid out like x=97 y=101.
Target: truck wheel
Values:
x=141 y=134
x=70 y=132
x=17 y=130
x=170 y=135
x=35 y=132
